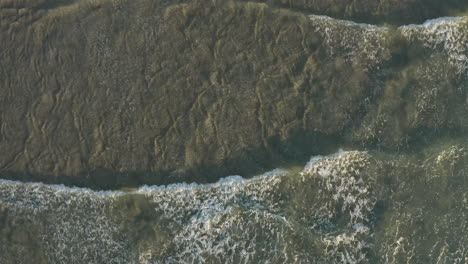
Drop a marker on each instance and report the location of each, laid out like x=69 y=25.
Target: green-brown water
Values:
x=285 y=86
x=108 y=94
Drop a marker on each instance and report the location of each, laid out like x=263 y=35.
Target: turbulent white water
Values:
x=235 y=220
x=352 y=40
x=327 y=213
x=448 y=35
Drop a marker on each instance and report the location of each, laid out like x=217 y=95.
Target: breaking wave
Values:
x=235 y=220
x=448 y=35
x=332 y=211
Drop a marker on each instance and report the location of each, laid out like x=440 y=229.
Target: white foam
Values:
x=352 y=40
x=342 y=180
x=448 y=34
x=234 y=220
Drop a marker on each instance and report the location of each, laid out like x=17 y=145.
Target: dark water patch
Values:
x=35 y=4
x=388 y=12
x=20 y=239
x=279 y=153
x=53 y=4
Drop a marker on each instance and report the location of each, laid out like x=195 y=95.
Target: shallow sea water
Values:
x=348 y=207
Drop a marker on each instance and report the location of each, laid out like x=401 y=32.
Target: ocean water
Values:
x=349 y=207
